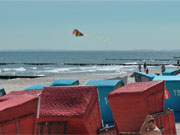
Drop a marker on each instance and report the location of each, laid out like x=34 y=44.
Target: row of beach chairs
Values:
x=97 y=107
x=77 y=97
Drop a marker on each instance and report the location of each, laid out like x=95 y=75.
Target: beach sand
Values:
x=21 y=84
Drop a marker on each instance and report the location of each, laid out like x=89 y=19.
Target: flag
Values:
x=167 y=95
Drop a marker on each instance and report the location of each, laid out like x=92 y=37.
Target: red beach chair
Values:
x=69 y=110
x=17 y=114
x=132 y=103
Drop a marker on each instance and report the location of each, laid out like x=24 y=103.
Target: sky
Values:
x=107 y=25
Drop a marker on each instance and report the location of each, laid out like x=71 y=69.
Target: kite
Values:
x=96 y=37
x=77 y=33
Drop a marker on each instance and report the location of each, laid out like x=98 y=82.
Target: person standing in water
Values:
x=178 y=62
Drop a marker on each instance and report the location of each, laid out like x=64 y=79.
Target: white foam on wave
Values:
x=34 y=68
x=171 y=66
x=110 y=68
x=132 y=63
x=54 y=70
x=90 y=69
x=20 y=69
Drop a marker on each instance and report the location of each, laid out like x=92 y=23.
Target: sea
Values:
x=74 y=62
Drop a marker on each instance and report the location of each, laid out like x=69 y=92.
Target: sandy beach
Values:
x=21 y=84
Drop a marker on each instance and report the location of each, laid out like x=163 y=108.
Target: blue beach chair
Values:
x=171 y=72
x=143 y=77
x=35 y=87
x=173 y=86
x=104 y=88
x=65 y=83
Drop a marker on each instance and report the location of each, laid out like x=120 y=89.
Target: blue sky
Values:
x=107 y=25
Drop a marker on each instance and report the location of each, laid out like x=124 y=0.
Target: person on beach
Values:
x=178 y=62
x=149 y=127
x=145 y=66
x=163 y=68
x=147 y=71
x=139 y=67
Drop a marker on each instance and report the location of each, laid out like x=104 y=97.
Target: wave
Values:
x=20 y=69
x=171 y=66
x=131 y=63
x=56 y=70
x=34 y=68
x=89 y=69
x=97 y=69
